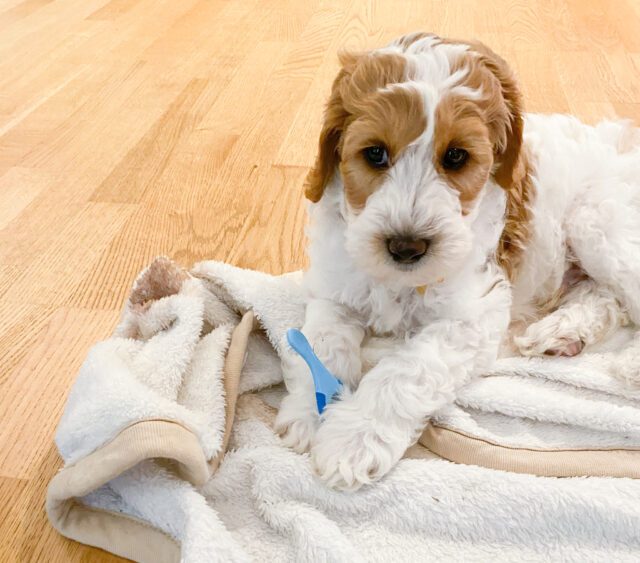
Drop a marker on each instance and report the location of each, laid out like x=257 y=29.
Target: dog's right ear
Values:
x=335 y=116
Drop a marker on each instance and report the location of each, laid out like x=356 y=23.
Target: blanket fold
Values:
x=193 y=370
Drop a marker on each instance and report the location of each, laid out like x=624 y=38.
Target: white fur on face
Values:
x=416 y=203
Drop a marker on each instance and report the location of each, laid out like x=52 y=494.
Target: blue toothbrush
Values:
x=327 y=385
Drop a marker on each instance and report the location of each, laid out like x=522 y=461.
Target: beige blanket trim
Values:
x=149 y=439
x=113 y=532
x=133 y=539
x=463 y=448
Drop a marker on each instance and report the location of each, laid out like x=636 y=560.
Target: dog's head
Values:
x=416 y=130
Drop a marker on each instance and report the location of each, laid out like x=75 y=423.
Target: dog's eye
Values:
x=454 y=158
x=377 y=156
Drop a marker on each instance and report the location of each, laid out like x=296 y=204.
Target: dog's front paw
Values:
x=348 y=451
x=340 y=358
x=296 y=423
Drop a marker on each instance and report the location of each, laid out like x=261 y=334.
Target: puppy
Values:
x=440 y=215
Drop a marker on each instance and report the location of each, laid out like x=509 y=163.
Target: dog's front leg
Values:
x=336 y=334
x=367 y=432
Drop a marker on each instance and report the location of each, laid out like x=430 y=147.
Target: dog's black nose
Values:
x=407 y=251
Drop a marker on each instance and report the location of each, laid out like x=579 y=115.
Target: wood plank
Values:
x=71 y=253
x=18 y=188
x=35 y=390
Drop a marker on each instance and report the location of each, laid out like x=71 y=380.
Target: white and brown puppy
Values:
x=441 y=214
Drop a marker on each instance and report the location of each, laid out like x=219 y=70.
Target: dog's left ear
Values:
x=335 y=116
x=511 y=171
x=507 y=116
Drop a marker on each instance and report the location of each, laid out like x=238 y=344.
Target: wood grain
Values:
x=132 y=128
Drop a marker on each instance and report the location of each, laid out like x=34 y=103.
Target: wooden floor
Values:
x=132 y=128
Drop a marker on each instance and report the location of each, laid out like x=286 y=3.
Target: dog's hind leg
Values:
x=587 y=314
x=603 y=233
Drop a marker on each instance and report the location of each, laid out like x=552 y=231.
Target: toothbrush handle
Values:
x=301 y=345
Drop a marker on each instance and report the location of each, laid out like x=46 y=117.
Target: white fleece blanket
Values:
x=165 y=361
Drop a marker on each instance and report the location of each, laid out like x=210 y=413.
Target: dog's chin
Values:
x=399 y=276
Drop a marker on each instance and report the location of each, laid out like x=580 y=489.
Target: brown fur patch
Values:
x=409 y=39
x=517 y=229
x=501 y=107
x=512 y=171
x=460 y=123
x=327 y=159
x=393 y=117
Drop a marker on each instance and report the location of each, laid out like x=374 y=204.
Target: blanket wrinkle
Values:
x=537 y=460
